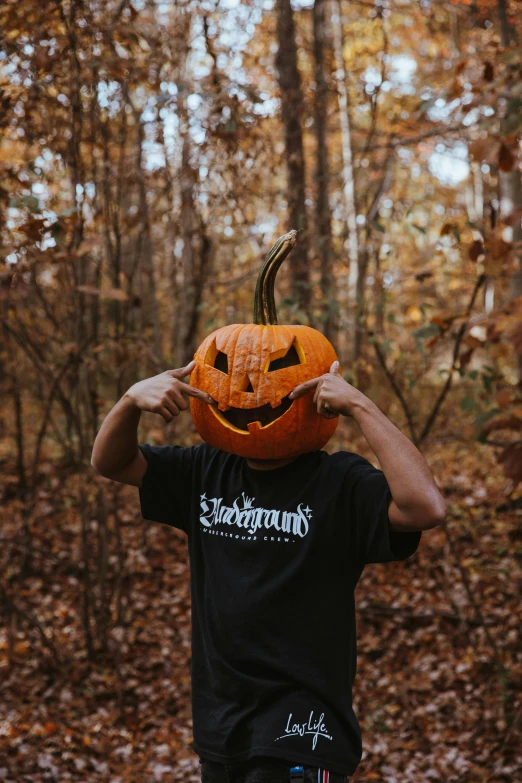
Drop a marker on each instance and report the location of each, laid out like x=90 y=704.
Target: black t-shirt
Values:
x=274 y=559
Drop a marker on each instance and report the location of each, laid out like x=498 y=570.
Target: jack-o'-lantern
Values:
x=250 y=369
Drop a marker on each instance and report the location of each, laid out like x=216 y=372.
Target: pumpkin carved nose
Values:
x=245 y=384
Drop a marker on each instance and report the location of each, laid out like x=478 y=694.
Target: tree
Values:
x=323 y=233
x=292 y=113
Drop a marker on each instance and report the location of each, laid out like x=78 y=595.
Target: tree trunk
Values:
x=507 y=31
x=348 y=293
x=196 y=253
x=292 y=112
x=509 y=182
x=146 y=267
x=322 y=174
x=189 y=273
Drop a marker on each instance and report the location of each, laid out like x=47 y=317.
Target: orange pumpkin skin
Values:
x=249 y=350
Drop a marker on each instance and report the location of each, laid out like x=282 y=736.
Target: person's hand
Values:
x=165 y=393
x=333 y=395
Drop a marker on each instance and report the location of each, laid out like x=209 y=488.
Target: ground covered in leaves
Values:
x=438 y=687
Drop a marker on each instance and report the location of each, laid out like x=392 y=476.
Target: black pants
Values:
x=262 y=769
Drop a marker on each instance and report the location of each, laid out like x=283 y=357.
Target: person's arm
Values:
x=417 y=503
x=115 y=453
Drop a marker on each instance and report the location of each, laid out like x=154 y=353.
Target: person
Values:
x=276 y=549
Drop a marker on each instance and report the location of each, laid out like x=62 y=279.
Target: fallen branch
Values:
x=454 y=618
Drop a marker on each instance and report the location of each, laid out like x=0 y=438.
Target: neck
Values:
x=268 y=464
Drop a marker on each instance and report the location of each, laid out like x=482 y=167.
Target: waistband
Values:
x=266 y=770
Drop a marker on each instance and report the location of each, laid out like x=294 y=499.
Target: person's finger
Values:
x=165 y=413
x=323 y=408
x=171 y=406
x=335 y=369
x=329 y=414
x=181 y=372
x=304 y=387
x=191 y=391
x=179 y=399
x=318 y=391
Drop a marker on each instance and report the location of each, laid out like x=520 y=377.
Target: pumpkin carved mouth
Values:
x=241 y=418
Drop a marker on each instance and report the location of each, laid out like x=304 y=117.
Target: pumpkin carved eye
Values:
x=221 y=362
x=286 y=357
x=217 y=359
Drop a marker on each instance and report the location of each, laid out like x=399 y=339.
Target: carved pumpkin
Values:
x=250 y=369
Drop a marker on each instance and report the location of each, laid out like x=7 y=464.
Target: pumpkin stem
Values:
x=264 y=301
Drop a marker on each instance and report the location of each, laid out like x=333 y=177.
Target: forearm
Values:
x=408 y=474
x=116 y=444
x=417 y=503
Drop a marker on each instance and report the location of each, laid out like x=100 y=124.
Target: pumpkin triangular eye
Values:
x=290 y=358
x=216 y=359
x=221 y=362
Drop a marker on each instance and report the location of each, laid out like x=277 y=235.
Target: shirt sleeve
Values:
x=373 y=539
x=166 y=488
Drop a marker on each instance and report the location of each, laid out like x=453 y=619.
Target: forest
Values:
x=152 y=151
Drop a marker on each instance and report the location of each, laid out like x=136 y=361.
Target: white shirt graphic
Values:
x=243 y=514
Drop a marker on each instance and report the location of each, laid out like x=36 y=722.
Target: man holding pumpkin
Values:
x=279 y=533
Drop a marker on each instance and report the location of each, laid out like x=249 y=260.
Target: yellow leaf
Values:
x=413 y=313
